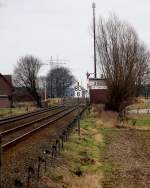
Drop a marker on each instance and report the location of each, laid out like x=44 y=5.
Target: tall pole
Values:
x=95 y=71
x=78 y=111
x=45 y=90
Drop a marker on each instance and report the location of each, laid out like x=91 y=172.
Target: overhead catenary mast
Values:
x=94 y=32
x=52 y=62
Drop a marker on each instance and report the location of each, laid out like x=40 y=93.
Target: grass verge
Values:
x=140 y=120
x=81 y=167
x=6 y=112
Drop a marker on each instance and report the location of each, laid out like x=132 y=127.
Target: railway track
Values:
x=25 y=119
x=26 y=115
x=15 y=135
x=25 y=125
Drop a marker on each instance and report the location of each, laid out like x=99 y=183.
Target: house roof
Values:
x=7 y=79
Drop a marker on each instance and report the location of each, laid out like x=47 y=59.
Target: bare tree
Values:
x=25 y=75
x=123 y=60
x=58 y=80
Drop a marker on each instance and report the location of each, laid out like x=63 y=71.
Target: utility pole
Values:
x=57 y=62
x=95 y=71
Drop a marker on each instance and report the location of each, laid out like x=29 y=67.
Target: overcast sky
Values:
x=61 y=28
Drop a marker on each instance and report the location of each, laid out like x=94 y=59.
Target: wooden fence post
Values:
x=78 y=121
x=18 y=184
x=31 y=173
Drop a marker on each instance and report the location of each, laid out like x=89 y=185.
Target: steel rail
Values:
x=17 y=117
x=27 y=115
x=4 y=133
x=17 y=140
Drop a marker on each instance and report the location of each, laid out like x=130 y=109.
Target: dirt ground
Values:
x=128 y=152
x=126 y=156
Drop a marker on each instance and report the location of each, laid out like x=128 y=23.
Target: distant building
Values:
x=6 y=91
x=69 y=92
x=98 y=90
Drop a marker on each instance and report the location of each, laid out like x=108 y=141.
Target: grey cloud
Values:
x=2 y=4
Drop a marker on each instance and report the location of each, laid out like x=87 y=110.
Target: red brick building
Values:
x=98 y=90
x=6 y=91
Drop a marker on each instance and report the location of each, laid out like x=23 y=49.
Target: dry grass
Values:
x=67 y=181
x=139 y=103
x=8 y=112
x=20 y=108
x=104 y=118
x=98 y=137
x=55 y=101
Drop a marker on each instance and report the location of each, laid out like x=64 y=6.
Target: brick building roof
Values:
x=6 y=87
x=7 y=79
